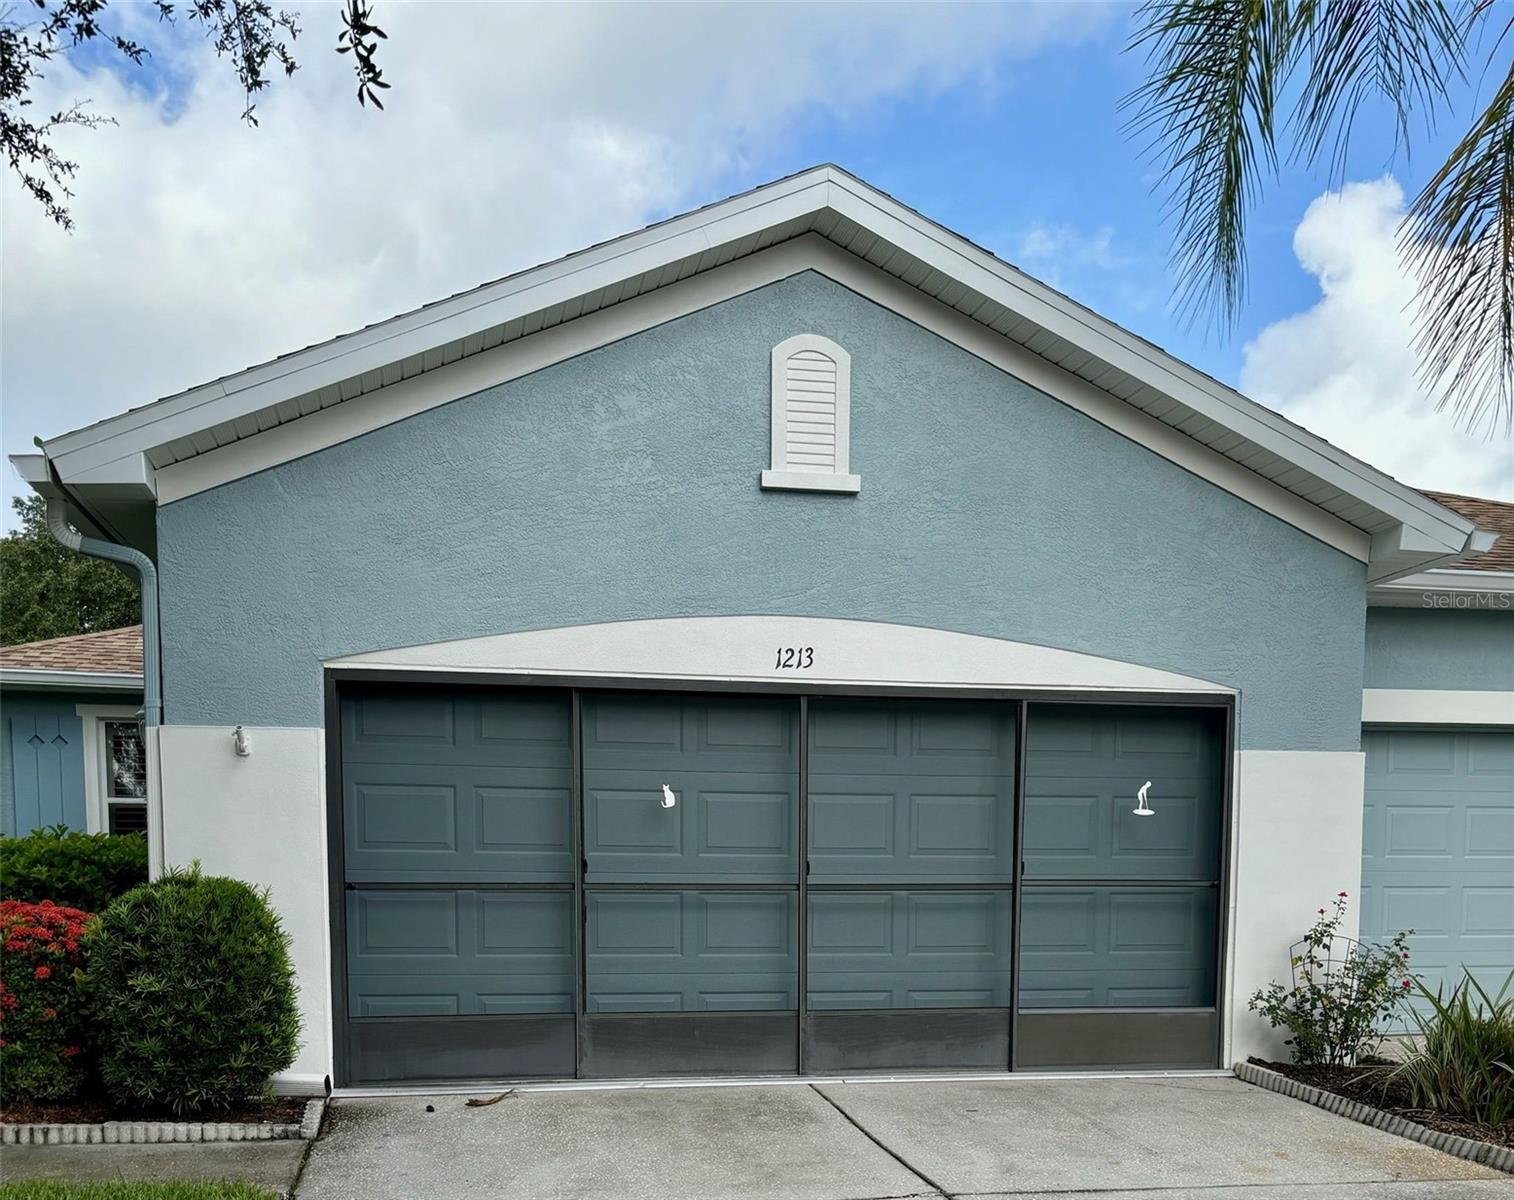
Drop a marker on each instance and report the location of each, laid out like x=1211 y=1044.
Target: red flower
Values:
x=70 y=1051
x=2 y=1041
x=49 y=1013
x=1342 y=895
x=43 y=972
x=1322 y=912
x=1408 y=984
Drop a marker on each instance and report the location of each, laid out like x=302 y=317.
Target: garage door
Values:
x=623 y=884
x=1438 y=850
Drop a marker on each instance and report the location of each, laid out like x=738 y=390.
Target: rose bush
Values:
x=41 y=1006
x=1344 y=993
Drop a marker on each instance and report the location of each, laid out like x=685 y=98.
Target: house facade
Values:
x=788 y=639
x=72 y=746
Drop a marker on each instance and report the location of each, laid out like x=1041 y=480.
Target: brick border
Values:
x=1500 y=1158
x=113 y=1133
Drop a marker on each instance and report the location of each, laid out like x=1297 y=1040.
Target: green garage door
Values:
x=1438 y=849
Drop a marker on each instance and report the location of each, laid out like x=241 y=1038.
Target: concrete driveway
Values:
x=1173 y=1138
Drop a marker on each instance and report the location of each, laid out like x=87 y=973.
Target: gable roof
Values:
x=107 y=658
x=824 y=219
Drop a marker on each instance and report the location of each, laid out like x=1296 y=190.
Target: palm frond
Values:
x=1459 y=238
x=1404 y=52
x=1209 y=110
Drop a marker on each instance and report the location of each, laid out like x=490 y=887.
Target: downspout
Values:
x=127 y=556
x=152 y=695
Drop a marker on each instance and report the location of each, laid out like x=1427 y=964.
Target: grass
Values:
x=59 y=1189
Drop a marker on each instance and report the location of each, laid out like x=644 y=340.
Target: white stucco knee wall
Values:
x=1296 y=840
x=261 y=819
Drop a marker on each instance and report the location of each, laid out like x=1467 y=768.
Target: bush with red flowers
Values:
x=41 y=1005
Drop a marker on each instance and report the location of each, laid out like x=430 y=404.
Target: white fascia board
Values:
x=1105 y=340
x=70 y=681
x=810 y=252
x=1490 y=590
x=399 y=337
x=1426 y=706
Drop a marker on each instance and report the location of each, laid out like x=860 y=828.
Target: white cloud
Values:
x=1345 y=368
x=512 y=135
x=1045 y=250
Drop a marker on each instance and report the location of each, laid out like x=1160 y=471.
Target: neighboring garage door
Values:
x=1438 y=850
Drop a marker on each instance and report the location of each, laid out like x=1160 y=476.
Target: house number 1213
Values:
x=795 y=658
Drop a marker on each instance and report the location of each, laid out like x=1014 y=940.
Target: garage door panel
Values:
x=656 y=732
x=415 y=952
x=933 y=739
x=739 y=828
x=903 y=949
x=1117 y=947
x=1438 y=850
x=433 y=824
x=1084 y=768
x=457 y=728
x=691 y=951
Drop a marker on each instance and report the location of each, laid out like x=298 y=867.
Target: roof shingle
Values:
x=1496 y=515
x=110 y=651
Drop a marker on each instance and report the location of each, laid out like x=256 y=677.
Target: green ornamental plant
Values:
x=192 y=994
x=73 y=870
x=1462 y=1061
x=1343 y=992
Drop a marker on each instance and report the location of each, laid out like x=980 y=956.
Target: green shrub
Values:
x=41 y=1010
x=1464 y=1060
x=74 y=870
x=192 y=994
x=1343 y=992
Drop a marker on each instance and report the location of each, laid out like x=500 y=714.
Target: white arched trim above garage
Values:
x=809 y=650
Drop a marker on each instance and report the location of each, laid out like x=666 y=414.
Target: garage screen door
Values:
x=620 y=884
x=1438 y=850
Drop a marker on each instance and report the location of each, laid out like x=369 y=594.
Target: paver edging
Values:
x=1500 y=1158
x=137 y=1133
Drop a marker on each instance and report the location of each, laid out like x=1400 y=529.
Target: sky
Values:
x=514 y=134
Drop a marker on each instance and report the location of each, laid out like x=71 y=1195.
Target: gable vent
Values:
x=811 y=416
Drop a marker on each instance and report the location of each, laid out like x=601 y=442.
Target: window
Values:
x=115 y=769
x=811 y=414
x=125 y=778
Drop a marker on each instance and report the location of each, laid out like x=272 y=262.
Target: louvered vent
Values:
x=812 y=399
x=809 y=409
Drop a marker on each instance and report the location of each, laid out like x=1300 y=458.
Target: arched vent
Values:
x=812 y=393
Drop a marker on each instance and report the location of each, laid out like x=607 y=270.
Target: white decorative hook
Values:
x=668 y=799
x=1142 y=809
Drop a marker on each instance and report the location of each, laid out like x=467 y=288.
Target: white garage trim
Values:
x=753 y=649
x=1424 y=706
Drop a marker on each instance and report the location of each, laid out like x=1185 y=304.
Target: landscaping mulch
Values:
x=281 y=1110
x=1373 y=1085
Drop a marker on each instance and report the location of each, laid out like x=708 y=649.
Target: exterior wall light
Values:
x=668 y=799
x=239 y=742
x=1142 y=809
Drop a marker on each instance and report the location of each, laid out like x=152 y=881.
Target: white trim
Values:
x=745 y=649
x=96 y=802
x=468 y=376
x=1489 y=590
x=1425 y=706
x=71 y=681
x=781 y=473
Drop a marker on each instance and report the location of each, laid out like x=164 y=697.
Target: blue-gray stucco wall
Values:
x=1448 y=649
x=623 y=484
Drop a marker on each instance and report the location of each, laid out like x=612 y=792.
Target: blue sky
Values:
x=515 y=134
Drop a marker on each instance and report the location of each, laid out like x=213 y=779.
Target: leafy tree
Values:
x=1236 y=85
x=255 y=36
x=48 y=591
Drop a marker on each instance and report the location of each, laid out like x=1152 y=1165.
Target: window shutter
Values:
x=811 y=413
